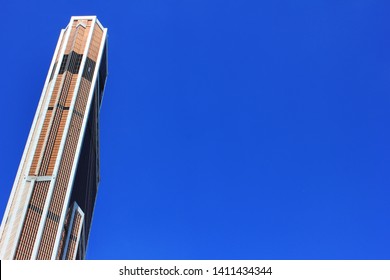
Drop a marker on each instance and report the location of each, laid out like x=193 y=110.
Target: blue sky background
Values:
x=229 y=129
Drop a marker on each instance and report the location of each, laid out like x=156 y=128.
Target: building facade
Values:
x=50 y=209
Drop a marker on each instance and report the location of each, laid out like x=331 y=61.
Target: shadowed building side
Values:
x=49 y=212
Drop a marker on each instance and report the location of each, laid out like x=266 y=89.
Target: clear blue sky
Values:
x=229 y=129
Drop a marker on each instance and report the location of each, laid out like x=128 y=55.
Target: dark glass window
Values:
x=74 y=63
x=63 y=64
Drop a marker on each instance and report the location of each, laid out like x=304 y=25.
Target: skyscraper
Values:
x=49 y=212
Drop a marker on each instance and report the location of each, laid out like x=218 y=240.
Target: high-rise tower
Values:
x=49 y=212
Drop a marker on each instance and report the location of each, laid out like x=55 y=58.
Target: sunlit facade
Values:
x=50 y=209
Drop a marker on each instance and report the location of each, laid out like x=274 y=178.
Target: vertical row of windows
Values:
x=72 y=246
x=61 y=185
x=33 y=216
x=64 y=233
